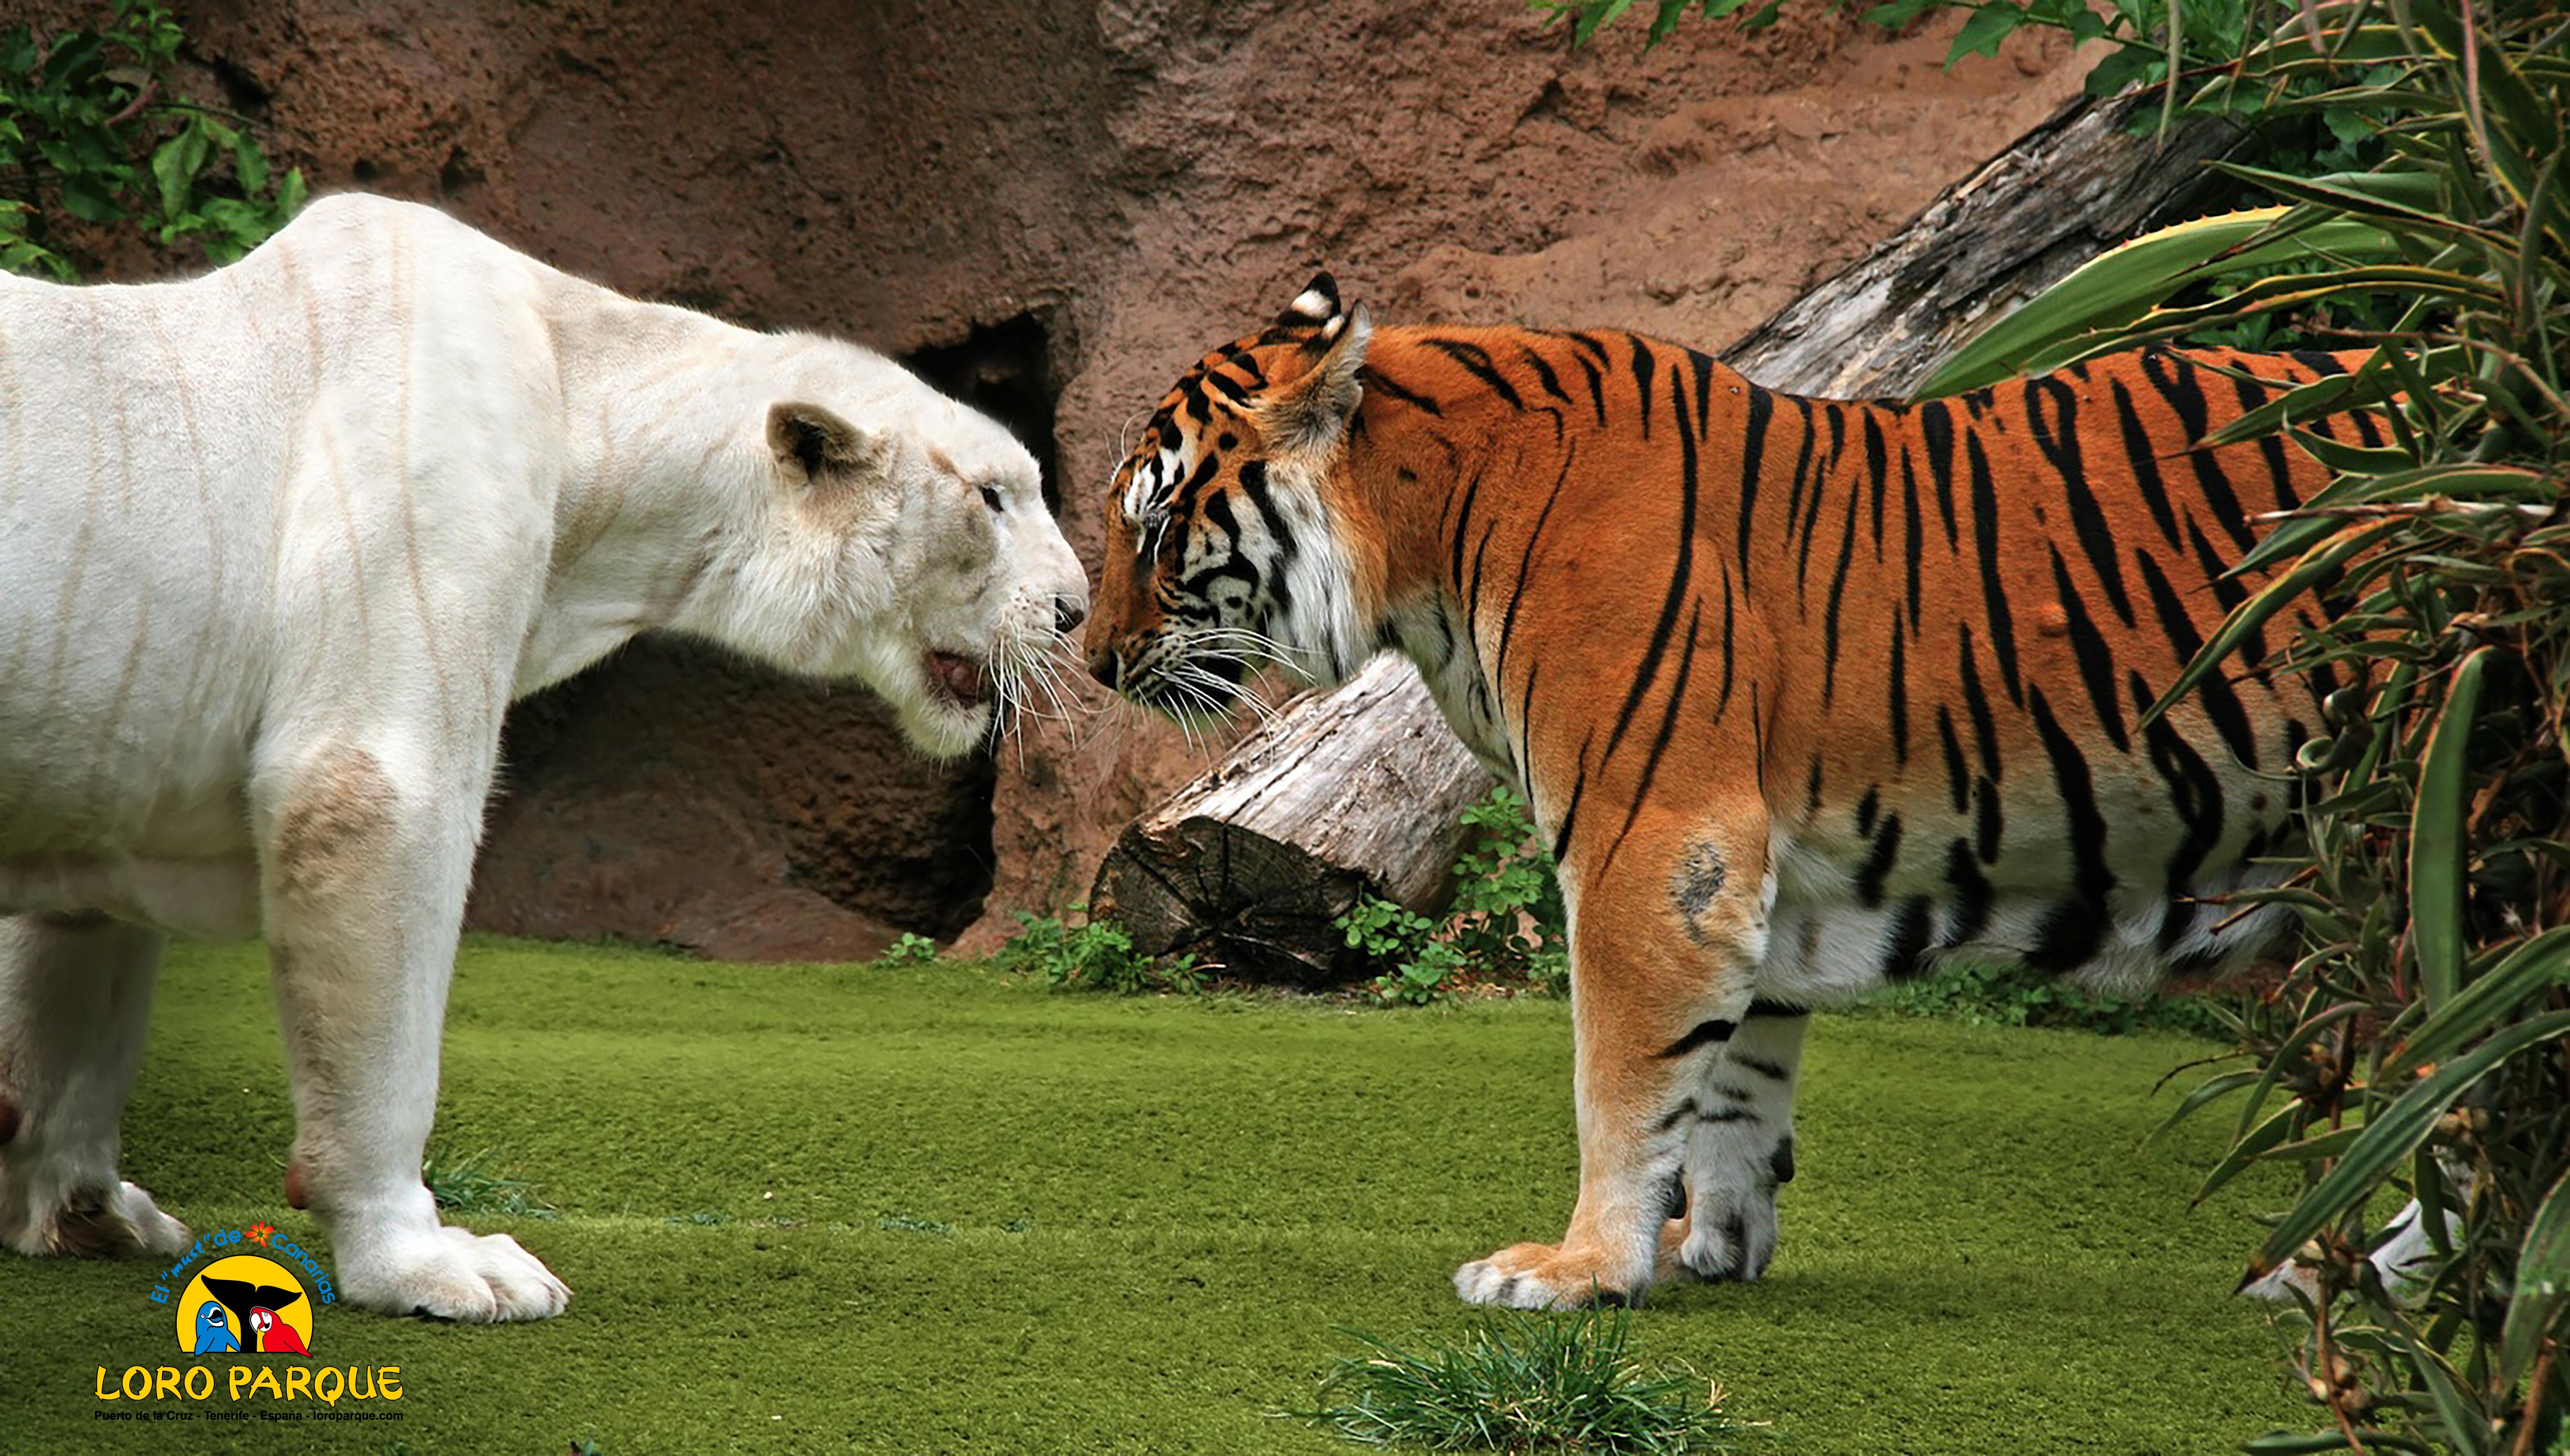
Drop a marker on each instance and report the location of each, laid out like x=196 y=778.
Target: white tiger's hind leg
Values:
x=1739 y=1124
x=75 y=1000
x=364 y=865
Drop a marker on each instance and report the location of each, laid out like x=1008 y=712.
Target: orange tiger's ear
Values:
x=1306 y=416
x=1318 y=303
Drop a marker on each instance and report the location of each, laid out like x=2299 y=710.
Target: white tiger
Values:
x=278 y=544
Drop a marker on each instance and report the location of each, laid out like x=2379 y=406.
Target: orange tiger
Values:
x=1805 y=693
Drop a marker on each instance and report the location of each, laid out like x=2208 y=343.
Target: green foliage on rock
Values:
x=93 y=131
x=1992 y=993
x=1076 y=952
x=1503 y=929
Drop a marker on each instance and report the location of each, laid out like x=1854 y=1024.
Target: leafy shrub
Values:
x=910 y=949
x=2417 y=1048
x=1094 y=955
x=1505 y=926
x=1420 y=968
x=1519 y=1382
x=90 y=126
x=1991 y=993
x=1507 y=915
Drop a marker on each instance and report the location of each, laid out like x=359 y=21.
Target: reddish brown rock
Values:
x=1045 y=200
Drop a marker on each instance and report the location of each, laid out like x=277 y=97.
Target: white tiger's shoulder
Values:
x=365 y=223
x=359 y=229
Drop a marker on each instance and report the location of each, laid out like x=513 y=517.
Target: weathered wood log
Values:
x=1355 y=792
x=2064 y=193
x=1342 y=795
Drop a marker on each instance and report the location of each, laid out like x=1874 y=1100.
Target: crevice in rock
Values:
x=1007 y=371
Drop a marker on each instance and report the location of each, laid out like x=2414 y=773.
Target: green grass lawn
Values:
x=846 y=1208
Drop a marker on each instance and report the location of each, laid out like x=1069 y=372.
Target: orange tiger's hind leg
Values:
x=1665 y=956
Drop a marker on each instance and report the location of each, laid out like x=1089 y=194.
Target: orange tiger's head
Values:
x=1224 y=548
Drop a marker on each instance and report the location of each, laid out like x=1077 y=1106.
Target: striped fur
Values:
x=1806 y=693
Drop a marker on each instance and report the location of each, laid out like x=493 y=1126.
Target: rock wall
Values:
x=1053 y=207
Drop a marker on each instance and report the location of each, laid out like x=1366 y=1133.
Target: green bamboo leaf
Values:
x=2439 y=841
x=2315 y=566
x=2542 y=1284
x=2464 y=1429
x=2323 y=1145
x=2390 y=1137
x=2534 y=966
x=2271 y=1133
x=2120 y=285
x=2340 y=44
x=2212 y=1089
x=2430 y=287
x=2276 y=1063
x=2369 y=386
x=2407 y=199
x=2469 y=485
x=2351 y=459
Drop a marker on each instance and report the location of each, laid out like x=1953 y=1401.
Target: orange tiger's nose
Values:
x=1105 y=665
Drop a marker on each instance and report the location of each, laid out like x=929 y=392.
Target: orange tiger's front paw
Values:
x=1547 y=1276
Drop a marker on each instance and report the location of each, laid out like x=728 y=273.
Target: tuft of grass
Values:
x=1517 y=1381
x=474 y=1183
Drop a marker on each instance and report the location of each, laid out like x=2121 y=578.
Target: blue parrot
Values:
x=214 y=1331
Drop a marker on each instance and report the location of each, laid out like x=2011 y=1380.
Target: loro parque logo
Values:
x=242 y=1305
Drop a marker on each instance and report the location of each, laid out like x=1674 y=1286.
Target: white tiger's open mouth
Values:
x=962 y=681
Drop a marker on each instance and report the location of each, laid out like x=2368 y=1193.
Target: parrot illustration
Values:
x=214 y=1332
x=275 y=1336
x=245 y=1298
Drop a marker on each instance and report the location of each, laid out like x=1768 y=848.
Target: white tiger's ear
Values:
x=1308 y=416
x=813 y=445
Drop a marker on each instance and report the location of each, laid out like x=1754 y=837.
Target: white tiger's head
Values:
x=893 y=535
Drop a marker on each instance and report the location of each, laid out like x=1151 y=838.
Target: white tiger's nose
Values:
x=1067 y=613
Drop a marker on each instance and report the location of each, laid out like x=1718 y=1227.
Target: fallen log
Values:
x=1343 y=794
x=1355 y=792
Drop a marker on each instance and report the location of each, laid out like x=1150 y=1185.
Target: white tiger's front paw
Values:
x=453 y=1273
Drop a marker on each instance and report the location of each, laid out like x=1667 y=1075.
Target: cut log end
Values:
x=1243 y=903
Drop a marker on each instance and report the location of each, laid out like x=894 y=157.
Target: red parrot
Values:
x=275 y=1336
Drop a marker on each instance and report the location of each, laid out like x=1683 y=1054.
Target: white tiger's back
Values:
x=149 y=510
